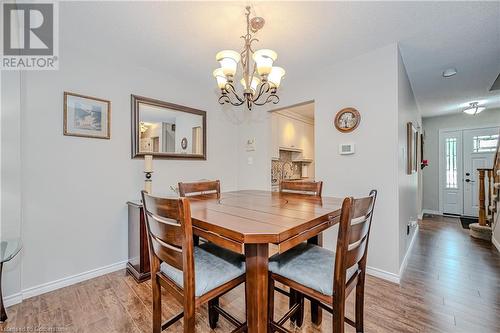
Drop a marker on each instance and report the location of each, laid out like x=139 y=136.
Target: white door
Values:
x=479 y=152
x=451 y=172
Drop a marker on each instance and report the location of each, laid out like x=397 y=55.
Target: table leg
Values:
x=316 y=311
x=257 y=298
x=3 y=314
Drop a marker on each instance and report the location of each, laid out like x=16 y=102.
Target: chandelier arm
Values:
x=230 y=88
x=226 y=96
x=262 y=89
x=270 y=98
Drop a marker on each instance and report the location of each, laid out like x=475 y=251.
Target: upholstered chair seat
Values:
x=309 y=265
x=213 y=267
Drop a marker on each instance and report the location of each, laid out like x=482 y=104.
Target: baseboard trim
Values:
x=496 y=243
x=13 y=299
x=64 y=282
x=430 y=211
x=404 y=263
x=391 y=277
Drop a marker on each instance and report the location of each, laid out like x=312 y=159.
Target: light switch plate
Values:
x=250 y=145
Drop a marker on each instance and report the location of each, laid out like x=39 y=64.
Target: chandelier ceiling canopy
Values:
x=259 y=78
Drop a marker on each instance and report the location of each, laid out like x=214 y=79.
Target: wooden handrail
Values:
x=482 y=197
x=493 y=178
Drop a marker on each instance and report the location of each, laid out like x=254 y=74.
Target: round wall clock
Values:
x=347 y=120
x=184 y=143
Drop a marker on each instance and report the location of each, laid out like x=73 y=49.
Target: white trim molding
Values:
x=496 y=243
x=61 y=283
x=430 y=211
x=391 y=277
x=404 y=263
x=12 y=299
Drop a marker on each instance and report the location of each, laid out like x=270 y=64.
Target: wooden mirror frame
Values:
x=136 y=153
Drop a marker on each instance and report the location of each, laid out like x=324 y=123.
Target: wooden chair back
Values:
x=170 y=233
x=352 y=239
x=200 y=188
x=302 y=187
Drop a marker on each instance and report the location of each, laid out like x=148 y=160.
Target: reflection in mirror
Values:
x=167 y=130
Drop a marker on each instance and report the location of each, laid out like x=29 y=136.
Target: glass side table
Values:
x=8 y=250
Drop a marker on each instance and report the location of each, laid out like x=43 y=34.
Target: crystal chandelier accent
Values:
x=260 y=79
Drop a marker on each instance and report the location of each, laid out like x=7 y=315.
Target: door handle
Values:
x=469 y=181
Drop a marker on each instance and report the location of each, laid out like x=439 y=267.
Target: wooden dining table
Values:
x=249 y=221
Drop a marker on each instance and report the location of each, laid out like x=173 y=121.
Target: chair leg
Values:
x=360 y=297
x=338 y=314
x=189 y=314
x=213 y=315
x=291 y=302
x=270 y=309
x=299 y=315
x=156 y=304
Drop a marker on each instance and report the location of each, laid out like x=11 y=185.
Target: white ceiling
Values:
x=303 y=109
x=181 y=38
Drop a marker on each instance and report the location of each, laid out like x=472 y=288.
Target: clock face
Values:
x=347 y=119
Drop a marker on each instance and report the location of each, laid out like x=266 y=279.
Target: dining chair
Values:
x=325 y=276
x=311 y=188
x=194 y=275
x=302 y=187
x=202 y=188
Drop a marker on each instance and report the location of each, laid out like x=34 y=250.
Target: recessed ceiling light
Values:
x=449 y=72
x=474 y=108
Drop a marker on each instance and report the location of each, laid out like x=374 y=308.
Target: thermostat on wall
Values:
x=346 y=148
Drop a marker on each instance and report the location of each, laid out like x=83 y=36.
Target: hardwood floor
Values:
x=451 y=284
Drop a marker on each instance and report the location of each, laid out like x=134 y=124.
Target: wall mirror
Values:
x=167 y=130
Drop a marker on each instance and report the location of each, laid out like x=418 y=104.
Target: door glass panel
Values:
x=485 y=143
x=451 y=163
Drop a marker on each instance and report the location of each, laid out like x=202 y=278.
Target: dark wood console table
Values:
x=138 y=252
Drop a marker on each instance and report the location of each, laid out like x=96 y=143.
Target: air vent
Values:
x=496 y=84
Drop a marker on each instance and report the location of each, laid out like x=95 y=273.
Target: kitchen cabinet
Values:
x=288 y=132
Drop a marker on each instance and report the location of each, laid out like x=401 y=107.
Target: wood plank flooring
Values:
x=451 y=284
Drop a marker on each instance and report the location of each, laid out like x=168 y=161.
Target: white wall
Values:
x=368 y=83
x=408 y=184
x=74 y=190
x=431 y=127
x=10 y=218
x=184 y=129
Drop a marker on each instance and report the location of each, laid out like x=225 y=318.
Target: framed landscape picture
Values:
x=86 y=116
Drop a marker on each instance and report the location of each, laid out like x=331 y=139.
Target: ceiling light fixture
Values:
x=260 y=79
x=474 y=108
x=449 y=72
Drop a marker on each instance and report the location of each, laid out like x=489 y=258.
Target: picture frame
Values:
x=347 y=120
x=177 y=122
x=86 y=116
x=412 y=148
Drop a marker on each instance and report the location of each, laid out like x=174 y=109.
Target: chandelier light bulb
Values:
x=228 y=60
x=220 y=77
x=264 y=60
x=275 y=76
x=253 y=85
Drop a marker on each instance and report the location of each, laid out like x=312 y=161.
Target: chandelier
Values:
x=474 y=108
x=258 y=89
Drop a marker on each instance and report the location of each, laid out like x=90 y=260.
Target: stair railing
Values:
x=492 y=191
